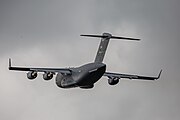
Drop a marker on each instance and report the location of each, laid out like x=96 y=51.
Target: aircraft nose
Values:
x=59 y=78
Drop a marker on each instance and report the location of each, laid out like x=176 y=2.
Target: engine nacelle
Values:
x=113 y=81
x=47 y=76
x=31 y=75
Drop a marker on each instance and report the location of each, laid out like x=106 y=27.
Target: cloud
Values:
x=46 y=34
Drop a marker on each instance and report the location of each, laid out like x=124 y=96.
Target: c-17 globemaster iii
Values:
x=86 y=75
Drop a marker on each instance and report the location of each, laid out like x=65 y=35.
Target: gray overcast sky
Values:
x=45 y=33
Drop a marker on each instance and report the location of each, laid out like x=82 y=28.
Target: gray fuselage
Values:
x=84 y=76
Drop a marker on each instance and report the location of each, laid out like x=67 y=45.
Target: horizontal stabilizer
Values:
x=110 y=36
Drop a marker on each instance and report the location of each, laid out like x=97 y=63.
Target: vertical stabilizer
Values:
x=102 y=48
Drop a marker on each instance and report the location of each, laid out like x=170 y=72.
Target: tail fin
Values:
x=105 y=37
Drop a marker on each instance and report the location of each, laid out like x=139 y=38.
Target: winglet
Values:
x=159 y=74
x=9 y=63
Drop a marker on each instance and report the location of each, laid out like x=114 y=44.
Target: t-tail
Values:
x=105 y=37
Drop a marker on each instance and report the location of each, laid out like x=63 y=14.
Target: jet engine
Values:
x=113 y=81
x=31 y=75
x=47 y=76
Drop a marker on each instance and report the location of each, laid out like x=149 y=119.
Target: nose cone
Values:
x=59 y=78
x=65 y=81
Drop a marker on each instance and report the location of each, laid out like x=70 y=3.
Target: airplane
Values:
x=87 y=75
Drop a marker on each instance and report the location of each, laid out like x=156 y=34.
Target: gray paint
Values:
x=102 y=48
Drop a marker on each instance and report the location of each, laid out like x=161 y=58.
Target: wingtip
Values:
x=159 y=74
x=9 y=63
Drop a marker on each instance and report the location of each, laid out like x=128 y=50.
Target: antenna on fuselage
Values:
x=105 y=37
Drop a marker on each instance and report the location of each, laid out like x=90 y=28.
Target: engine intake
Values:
x=31 y=75
x=47 y=76
x=113 y=81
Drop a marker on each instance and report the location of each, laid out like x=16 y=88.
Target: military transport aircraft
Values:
x=86 y=75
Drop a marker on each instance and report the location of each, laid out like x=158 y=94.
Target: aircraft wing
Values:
x=52 y=70
x=118 y=75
